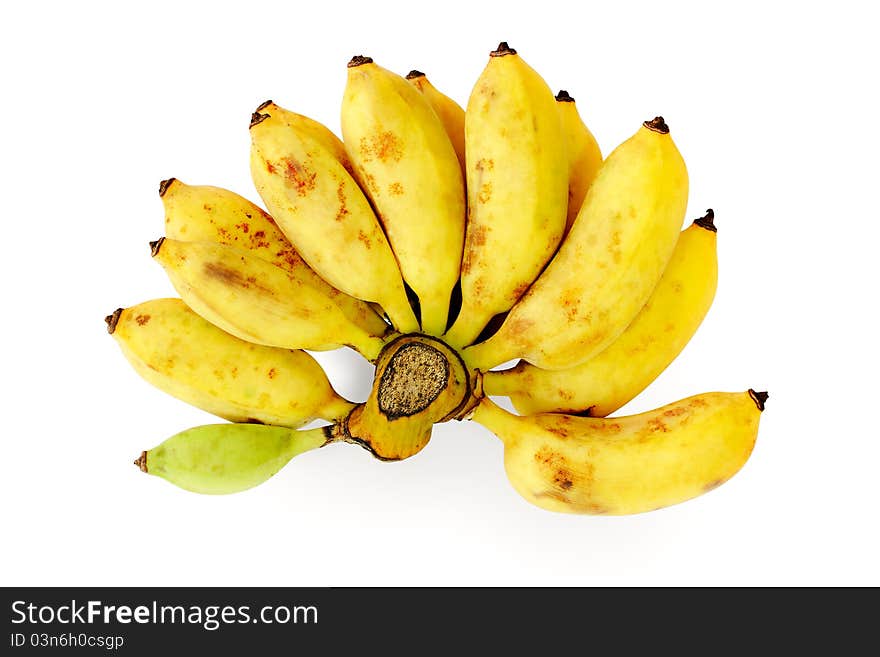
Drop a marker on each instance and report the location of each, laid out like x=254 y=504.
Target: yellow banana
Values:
x=584 y=155
x=450 y=113
x=629 y=464
x=182 y=354
x=323 y=212
x=406 y=164
x=216 y=459
x=201 y=213
x=648 y=345
x=256 y=301
x=517 y=189
x=608 y=265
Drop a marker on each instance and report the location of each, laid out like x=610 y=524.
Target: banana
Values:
x=256 y=301
x=201 y=213
x=216 y=459
x=182 y=354
x=608 y=265
x=648 y=345
x=450 y=113
x=407 y=166
x=517 y=190
x=627 y=465
x=323 y=212
x=584 y=155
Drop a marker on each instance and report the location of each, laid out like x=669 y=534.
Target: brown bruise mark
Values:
x=565 y=394
x=383 y=146
x=557 y=430
x=234 y=372
x=657 y=425
x=340 y=195
x=363 y=237
x=675 y=412
x=231 y=276
x=270 y=167
x=485 y=164
x=712 y=485
x=142 y=319
x=520 y=290
x=563 y=479
x=698 y=402
x=272 y=373
x=244 y=227
x=478 y=236
x=300 y=177
x=520 y=325
x=395 y=189
x=485 y=192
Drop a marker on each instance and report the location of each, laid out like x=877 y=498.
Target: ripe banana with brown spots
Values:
x=607 y=266
x=648 y=345
x=202 y=213
x=256 y=301
x=321 y=209
x=188 y=357
x=631 y=464
x=584 y=155
x=450 y=113
x=517 y=190
x=407 y=166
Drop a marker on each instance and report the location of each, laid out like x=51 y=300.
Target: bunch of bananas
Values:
x=440 y=243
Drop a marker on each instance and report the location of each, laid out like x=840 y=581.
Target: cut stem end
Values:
x=113 y=319
x=707 y=221
x=760 y=398
x=657 y=124
x=502 y=50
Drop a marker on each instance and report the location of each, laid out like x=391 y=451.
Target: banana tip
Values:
x=263 y=105
x=112 y=320
x=164 y=185
x=141 y=462
x=657 y=124
x=760 y=398
x=359 y=60
x=155 y=246
x=502 y=50
x=257 y=118
x=413 y=74
x=564 y=97
x=707 y=221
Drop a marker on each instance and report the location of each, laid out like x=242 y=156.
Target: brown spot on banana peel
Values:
x=657 y=124
x=707 y=221
x=359 y=60
x=760 y=398
x=502 y=50
x=113 y=319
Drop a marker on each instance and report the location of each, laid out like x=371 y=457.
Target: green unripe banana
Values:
x=216 y=459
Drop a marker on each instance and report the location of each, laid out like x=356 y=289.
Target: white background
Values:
x=774 y=106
